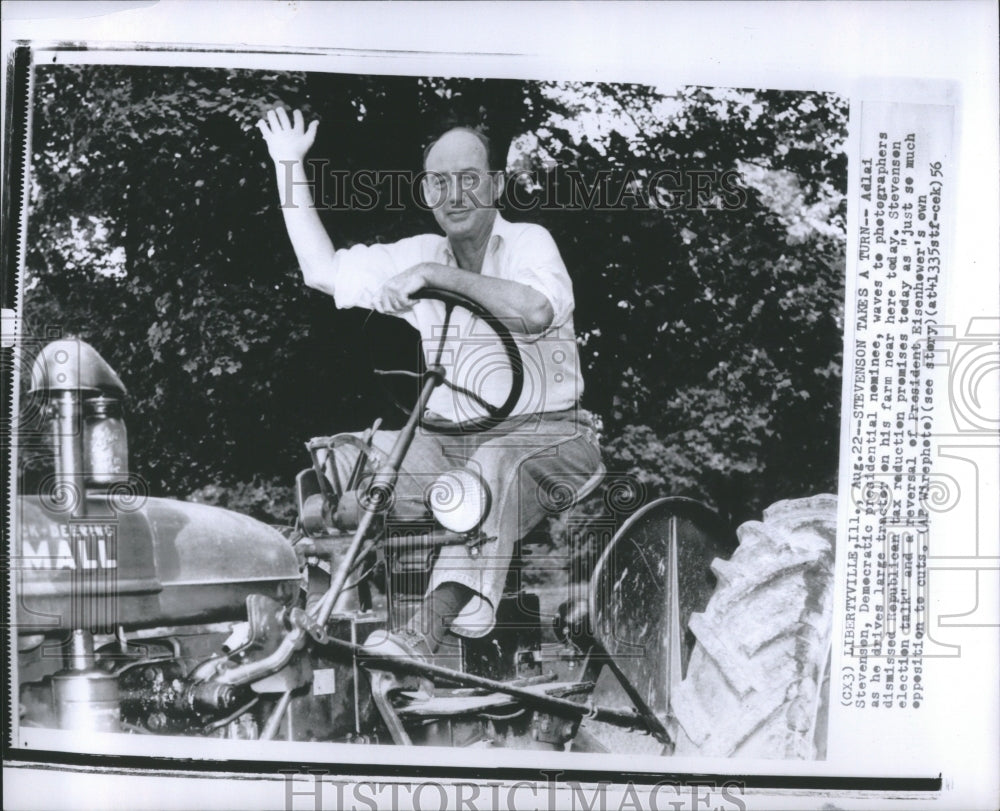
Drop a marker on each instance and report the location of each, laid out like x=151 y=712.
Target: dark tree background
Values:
x=710 y=336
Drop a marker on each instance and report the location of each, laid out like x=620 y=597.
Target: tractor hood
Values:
x=164 y=563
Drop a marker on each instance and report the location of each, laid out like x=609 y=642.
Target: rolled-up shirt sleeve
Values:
x=358 y=272
x=536 y=262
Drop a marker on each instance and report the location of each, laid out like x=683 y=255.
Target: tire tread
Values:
x=754 y=676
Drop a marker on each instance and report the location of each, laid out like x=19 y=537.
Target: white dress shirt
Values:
x=473 y=358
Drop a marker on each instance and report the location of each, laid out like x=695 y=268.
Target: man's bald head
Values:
x=464 y=137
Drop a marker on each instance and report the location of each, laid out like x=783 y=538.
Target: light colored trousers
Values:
x=534 y=466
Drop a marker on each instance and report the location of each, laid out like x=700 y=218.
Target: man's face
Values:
x=459 y=187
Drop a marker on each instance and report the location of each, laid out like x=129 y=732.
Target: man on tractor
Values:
x=513 y=270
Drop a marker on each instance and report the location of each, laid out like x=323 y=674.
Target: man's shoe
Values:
x=405 y=645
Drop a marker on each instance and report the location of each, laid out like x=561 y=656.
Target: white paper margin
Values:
x=790 y=46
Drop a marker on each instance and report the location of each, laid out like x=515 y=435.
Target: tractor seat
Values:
x=582 y=492
x=589 y=486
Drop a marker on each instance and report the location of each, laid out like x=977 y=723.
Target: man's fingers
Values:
x=390 y=302
x=277 y=121
x=400 y=302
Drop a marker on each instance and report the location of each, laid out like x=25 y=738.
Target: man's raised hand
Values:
x=287 y=140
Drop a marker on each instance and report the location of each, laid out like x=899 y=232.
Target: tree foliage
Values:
x=713 y=333
x=710 y=334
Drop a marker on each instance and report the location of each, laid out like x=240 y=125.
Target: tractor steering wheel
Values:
x=495 y=414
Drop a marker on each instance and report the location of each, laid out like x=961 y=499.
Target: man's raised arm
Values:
x=288 y=141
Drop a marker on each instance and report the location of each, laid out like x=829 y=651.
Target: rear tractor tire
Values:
x=755 y=683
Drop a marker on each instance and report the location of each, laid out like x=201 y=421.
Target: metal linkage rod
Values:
x=384 y=481
x=608 y=715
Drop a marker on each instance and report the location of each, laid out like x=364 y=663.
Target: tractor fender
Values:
x=630 y=594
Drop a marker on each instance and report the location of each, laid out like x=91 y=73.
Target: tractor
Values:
x=152 y=616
